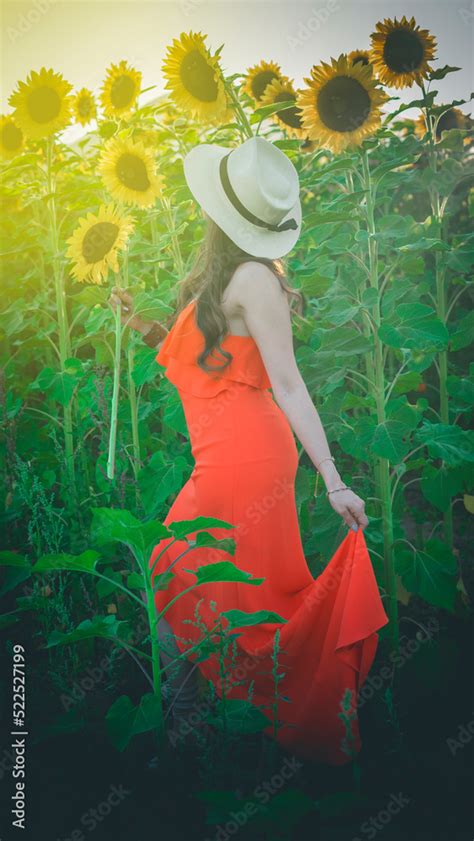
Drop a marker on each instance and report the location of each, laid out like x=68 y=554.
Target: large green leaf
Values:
x=223 y=571
x=462 y=389
x=184 y=527
x=414 y=326
x=440 y=484
x=448 y=442
x=241 y=619
x=85 y=562
x=357 y=441
x=431 y=573
x=124 y=720
x=13 y=559
x=462 y=332
x=203 y=538
x=100 y=626
x=118 y=525
x=390 y=440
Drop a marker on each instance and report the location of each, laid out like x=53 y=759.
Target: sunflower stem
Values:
x=132 y=392
x=175 y=247
x=437 y=218
x=239 y=111
x=382 y=473
x=64 y=339
x=115 y=394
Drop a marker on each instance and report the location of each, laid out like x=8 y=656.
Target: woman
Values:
x=230 y=343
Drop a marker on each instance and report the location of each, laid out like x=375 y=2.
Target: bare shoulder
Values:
x=266 y=311
x=253 y=281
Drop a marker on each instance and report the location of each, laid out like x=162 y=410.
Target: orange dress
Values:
x=245 y=465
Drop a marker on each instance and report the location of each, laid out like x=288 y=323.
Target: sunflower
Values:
x=341 y=105
x=120 y=89
x=129 y=172
x=194 y=78
x=11 y=137
x=454 y=118
x=359 y=55
x=42 y=104
x=94 y=244
x=282 y=90
x=259 y=76
x=401 y=51
x=84 y=106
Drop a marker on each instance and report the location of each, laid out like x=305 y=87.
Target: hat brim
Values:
x=201 y=170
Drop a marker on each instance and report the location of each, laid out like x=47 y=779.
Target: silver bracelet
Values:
x=328 y=458
x=345 y=488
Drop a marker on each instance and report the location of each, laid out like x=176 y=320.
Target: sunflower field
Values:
x=94 y=444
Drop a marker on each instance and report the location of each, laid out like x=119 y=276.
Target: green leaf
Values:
x=241 y=619
x=344 y=341
x=223 y=571
x=268 y=110
x=389 y=440
x=461 y=388
x=431 y=573
x=357 y=441
x=136 y=581
x=85 y=562
x=100 y=626
x=12 y=559
x=241 y=717
x=406 y=382
x=448 y=442
x=462 y=332
x=111 y=525
x=184 y=527
x=441 y=72
x=124 y=720
x=203 y=538
x=440 y=484
x=414 y=327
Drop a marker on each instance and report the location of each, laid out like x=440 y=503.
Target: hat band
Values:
x=289 y=224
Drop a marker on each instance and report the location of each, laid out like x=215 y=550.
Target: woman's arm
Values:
x=267 y=315
x=153 y=332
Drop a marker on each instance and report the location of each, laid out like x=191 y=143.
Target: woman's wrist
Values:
x=330 y=474
x=142 y=326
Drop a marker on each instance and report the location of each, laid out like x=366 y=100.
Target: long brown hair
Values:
x=216 y=262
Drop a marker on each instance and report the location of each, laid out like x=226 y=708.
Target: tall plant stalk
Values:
x=377 y=388
x=63 y=327
x=115 y=392
x=437 y=219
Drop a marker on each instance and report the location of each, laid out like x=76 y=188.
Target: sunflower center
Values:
x=122 y=91
x=260 y=82
x=132 y=172
x=197 y=77
x=403 y=51
x=11 y=136
x=84 y=106
x=44 y=104
x=343 y=104
x=98 y=241
x=289 y=116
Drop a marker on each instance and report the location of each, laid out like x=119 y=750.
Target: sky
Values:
x=80 y=39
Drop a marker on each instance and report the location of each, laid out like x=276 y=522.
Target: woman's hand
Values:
x=126 y=310
x=351 y=508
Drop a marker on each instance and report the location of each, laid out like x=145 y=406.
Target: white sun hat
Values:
x=251 y=192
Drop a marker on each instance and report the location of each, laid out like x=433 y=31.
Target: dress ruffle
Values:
x=185 y=342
